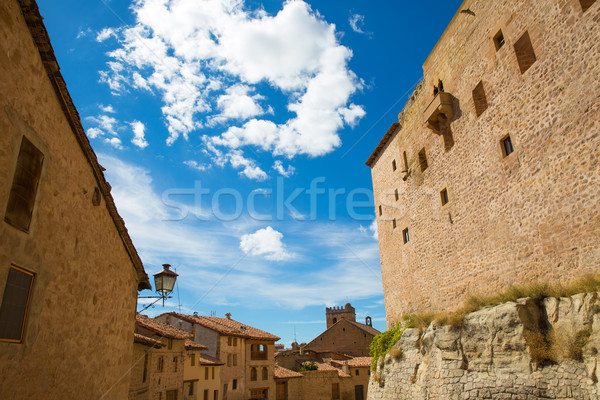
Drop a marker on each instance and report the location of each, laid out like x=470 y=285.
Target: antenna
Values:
x=295 y=340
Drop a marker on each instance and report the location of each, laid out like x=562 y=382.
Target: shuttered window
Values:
x=14 y=304
x=24 y=186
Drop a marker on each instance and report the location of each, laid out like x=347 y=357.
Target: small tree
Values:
x=309 y=366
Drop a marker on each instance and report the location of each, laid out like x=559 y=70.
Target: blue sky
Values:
x=234 y=135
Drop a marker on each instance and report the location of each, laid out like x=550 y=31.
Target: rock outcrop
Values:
x=528 y=349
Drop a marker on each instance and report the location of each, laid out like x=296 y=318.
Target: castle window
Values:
x=479 y=99
x=356 y=373
x=191 y=391
x=499 y=40
x=234 y=384
x=405 y=236
x=235 y=360
x=585 y=4
x=253 y=374
x=444 y=196
x=423 y=160
x=24 y=186
x=396 y=195
x=160 y=364
x=380 y=211
x=394 y=223
x=405 y=161
x=524 y=51
x=14 y=304
x=507 y=146
x=393 y=165
x=265 y=374
x=334 y=320
x=206 y=373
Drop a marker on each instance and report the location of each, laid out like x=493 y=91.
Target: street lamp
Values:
x=164 y=281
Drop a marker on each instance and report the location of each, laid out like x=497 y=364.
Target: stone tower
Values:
x=334 y=314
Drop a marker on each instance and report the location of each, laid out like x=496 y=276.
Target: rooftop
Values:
x=161 y=329
x=190 y=344
x=145 y=340
x=226 y=326
x=203 y=359
x=281 y=373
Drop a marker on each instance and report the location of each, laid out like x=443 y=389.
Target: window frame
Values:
x=27 y=302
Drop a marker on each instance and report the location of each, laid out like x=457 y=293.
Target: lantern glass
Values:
x=164 y=281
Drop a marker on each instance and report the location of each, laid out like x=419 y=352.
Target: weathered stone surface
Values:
x=488 y=357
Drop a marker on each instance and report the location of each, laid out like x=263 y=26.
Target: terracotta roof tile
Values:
x=203 y=359
x=366 y=328
x=190 y=344
x=327 y=367
x=281 y=373
x=355 y=362
x=226 y=326
x=138 y=338
x=160 y=328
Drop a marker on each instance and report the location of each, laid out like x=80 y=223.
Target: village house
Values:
x=339 y=357
x=247 y=353
x=343 y=334
x=69 y=273
x=159 y=359
x=201 y=374
x=490 y=176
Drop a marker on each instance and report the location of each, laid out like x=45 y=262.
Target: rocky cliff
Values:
x=528 y=349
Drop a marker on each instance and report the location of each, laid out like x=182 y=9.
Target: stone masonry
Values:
x=490 y=358
x=526 y=71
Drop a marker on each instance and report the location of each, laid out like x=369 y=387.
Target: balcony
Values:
x=258 y=355
x=439 y=112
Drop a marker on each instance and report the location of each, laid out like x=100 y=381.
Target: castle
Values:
x=490 y=176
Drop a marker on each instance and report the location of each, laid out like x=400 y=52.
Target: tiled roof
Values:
x=190 y=344
x=366 y=328
x=328 y=367
x=138 y=338
x=203 y=359
x=226 y=326
x=41 y=39
x=160 y=328
x=281 y=373
x=355 y=362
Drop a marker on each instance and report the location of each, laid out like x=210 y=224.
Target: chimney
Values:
x=228 y=315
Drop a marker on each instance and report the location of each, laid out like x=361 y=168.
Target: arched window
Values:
x=253 y=374
x=265 y=373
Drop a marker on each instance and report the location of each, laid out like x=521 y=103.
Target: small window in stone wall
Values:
x=175 y=362
x=24 y=186
x=160 y=364
x=423 y=160
x=405 y=236
x=380 y=211
x=479 y=99
x=525 y=53
x=393 y=165
x=499 y=40
x=234 y=385
x=396 y=195
x=15 y=302
x=444 y=196
x=394 y=223
x=507 y=146
x=585 y=4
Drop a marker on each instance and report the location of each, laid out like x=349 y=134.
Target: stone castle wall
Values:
x=534 y=214
x=489 y=357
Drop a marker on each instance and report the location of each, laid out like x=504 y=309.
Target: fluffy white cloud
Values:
x=356 y=22
x=265 y=242
x=105 y=34
x=139 y=138
x=278 y=166
x=195 y=165
x=114 y=142
x=105 y=125
x=208 y=58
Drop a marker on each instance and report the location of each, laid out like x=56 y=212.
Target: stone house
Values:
x=247 y=353
x=343 y=334
x=69 y=273
x=201 y=374
x=161 y=365
x=490 y=176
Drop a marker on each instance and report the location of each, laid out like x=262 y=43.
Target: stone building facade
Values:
x=201 y=374
x=69 y=273
x=248 y=353
x=491 y=175
x=343 y=334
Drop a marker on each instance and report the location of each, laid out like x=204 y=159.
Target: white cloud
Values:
x=278 y=166
x=373 y=229
x=250 y=169
x=139 y=138
x=83 y=33
x=356 y=22
x=93 y=133
x=105 y=34
x=107 y=109
x=265 y=242
x=208 y=59
x=105 y=125
x=195 y=165
x=114 y=142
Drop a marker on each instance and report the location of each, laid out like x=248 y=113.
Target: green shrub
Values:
x=309 y=366
x=382 y=344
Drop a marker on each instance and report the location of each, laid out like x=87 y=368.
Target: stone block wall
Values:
x=534 y=214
